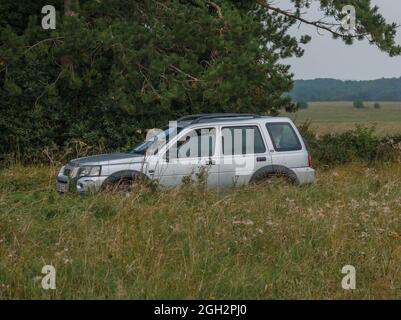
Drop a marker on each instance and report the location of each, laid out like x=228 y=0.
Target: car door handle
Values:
x=210 y=162
x=260 y=159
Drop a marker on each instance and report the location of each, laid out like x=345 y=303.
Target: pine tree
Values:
x=113 y=68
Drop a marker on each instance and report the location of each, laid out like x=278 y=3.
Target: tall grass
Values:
x=265 y=242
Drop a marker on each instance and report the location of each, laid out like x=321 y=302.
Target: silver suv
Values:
x=226 y=149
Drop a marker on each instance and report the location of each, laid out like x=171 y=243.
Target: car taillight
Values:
x=309 y=160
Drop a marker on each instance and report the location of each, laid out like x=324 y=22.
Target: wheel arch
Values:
x=271 y=170
x=124 y=174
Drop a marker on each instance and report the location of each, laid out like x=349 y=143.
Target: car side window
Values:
x=283 y=136
x=242 y=140
x=197 y=143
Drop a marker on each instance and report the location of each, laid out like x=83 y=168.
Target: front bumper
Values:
x=85 y=184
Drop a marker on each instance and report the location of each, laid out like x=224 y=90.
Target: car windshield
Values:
x=155 y=142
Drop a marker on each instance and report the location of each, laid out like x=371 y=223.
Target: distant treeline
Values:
x=338 y=90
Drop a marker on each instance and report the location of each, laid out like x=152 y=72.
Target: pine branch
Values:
x=216 y=8
x=318 y=24
x=42 y=41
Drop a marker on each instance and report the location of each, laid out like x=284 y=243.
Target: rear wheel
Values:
x=273 y=179
x=269 y=176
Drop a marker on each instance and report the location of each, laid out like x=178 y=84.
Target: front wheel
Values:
x=121 y=185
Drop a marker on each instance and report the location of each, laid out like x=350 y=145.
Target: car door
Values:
x=191 y=155
x=242 y=152
x=287 y=145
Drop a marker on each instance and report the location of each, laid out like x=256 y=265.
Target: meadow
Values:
x=274 y=241
x=334 y=117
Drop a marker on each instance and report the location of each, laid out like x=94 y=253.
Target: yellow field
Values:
x=328 y=117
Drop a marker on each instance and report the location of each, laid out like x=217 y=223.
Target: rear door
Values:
x=243 y=150
x=287 y=147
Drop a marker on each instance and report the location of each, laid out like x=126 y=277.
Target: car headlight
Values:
x=89 y=171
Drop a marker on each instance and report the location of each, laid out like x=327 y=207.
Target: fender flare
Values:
x=271 y=170
x=124 y=174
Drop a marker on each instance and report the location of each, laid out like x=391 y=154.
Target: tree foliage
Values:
x=337 y=90
x=358 y=104
x=113 y=68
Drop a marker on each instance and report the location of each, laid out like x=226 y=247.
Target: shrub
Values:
x=359 y=104
x=377 y=105
x=348 y=146
x=359 y=144
x=301 y=105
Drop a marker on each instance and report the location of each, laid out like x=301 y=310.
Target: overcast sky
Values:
x=328 y=58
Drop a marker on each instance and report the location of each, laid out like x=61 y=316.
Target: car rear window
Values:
x=283 y=136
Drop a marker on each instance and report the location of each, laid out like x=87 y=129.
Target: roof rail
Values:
x=192 y=116
x=196 y=118
x=224 y=115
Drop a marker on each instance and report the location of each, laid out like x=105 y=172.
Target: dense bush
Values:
x=361 y=144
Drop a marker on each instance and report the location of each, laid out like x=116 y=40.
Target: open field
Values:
x=330 y=117
x=264 y=242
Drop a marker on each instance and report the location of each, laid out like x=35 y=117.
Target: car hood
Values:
x=105 y=159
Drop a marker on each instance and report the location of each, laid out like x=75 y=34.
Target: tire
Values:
x=122 y=183
x=269 y=174
x=120 y=186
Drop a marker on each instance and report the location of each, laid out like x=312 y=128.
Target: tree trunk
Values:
x=71 y=8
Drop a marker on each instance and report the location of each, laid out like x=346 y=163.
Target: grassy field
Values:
x=264 y=242
x=329 y=117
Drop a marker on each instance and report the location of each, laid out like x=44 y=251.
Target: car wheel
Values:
x=266 y=175
x=123 y=185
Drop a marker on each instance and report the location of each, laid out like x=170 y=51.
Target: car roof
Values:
x=226 y=119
